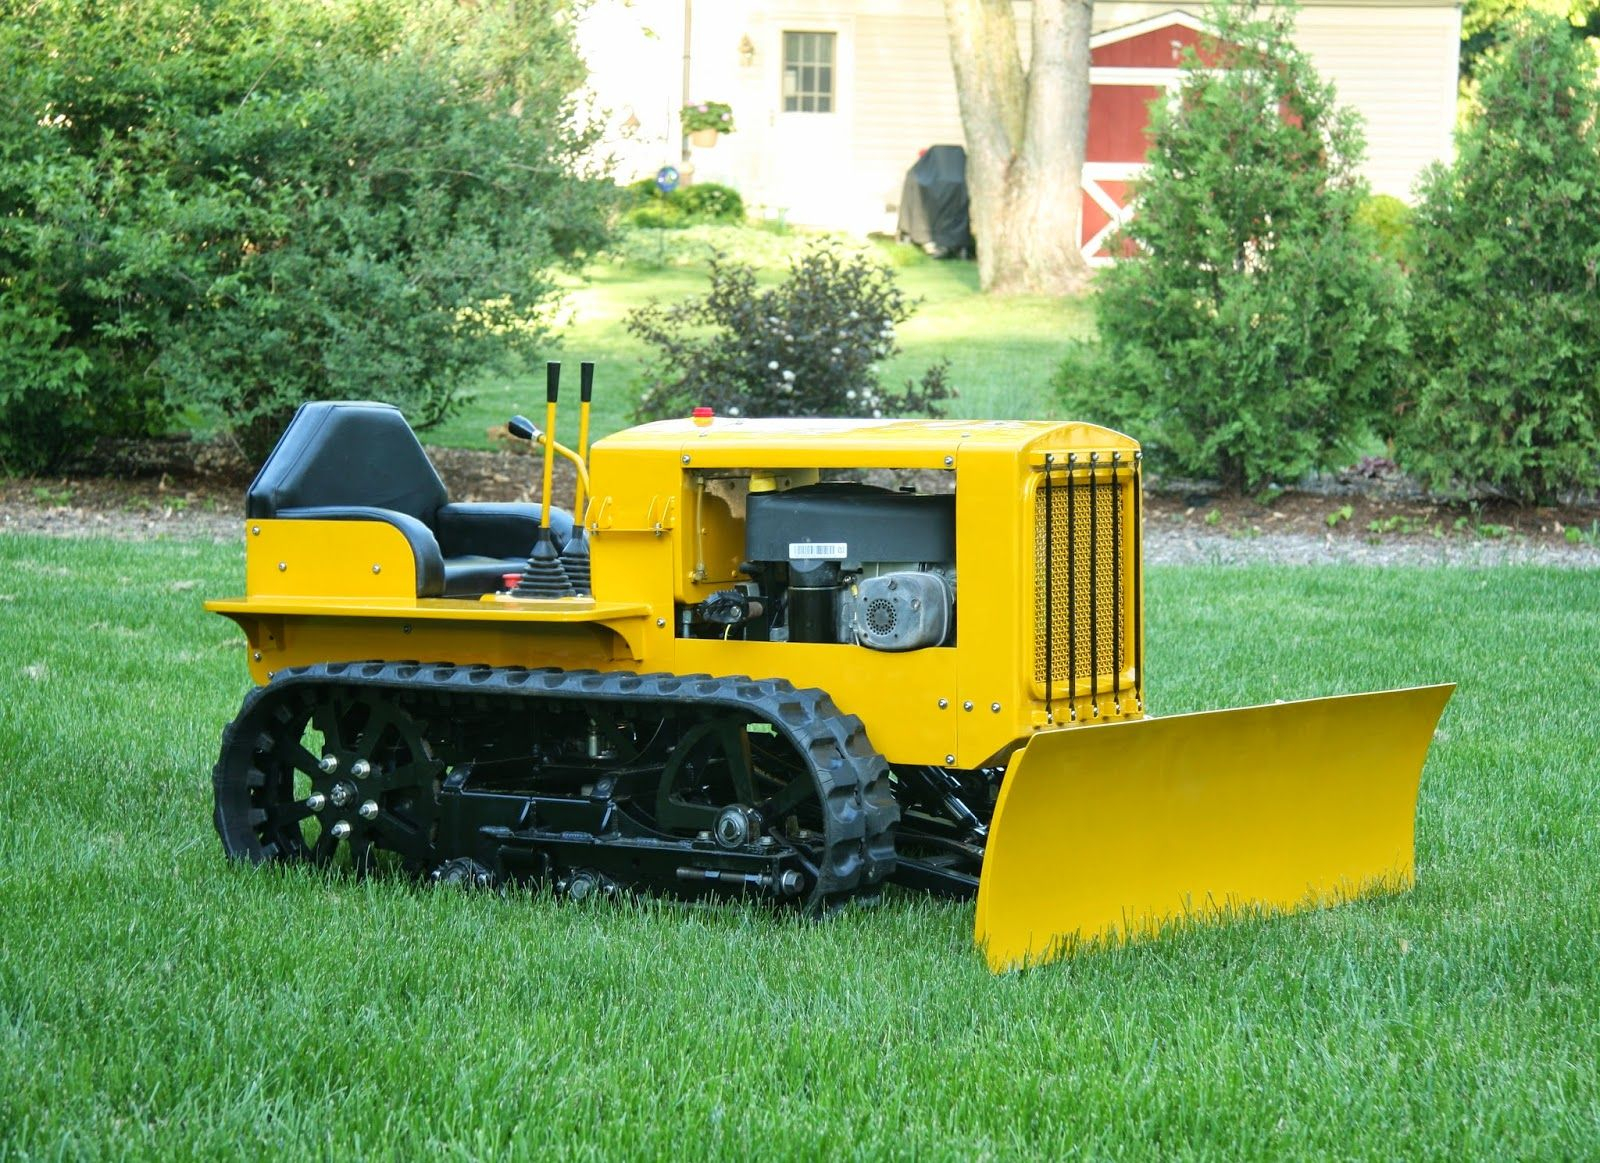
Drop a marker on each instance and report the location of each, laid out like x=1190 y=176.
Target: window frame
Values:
x=822 y=98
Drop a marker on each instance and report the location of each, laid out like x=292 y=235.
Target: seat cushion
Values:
x=496 y=529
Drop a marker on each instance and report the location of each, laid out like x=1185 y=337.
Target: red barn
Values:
x=1129 y=67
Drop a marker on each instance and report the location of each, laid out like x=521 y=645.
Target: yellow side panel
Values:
x=895 y=695
x=1106 y=832
x=281 y=642
x=368 y=559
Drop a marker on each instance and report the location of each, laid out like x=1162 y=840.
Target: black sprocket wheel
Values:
x=324 y=774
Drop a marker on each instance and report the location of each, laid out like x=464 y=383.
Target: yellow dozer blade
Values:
x=1103 y=833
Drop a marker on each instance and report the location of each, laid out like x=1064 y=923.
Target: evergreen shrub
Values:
x=1506 y=306
x=1389 y=219
x=1257 y=329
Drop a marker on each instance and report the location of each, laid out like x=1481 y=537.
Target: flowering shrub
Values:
x=707 y=115
x=653 y=208
x=808 y=347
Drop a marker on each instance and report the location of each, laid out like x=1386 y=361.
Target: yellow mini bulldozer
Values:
x=792 y=659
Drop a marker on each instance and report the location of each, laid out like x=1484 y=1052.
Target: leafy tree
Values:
x=1484 y=23
x=807 y=347
x=1027 y=131
x=1506 y=391
x=1258 y=328
x=220 y=208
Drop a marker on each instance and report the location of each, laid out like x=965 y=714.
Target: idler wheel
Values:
x=737 y=826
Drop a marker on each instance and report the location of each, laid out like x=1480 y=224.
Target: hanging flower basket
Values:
x=705 y=122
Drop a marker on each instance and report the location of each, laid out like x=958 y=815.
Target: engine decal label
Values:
x=814 y=550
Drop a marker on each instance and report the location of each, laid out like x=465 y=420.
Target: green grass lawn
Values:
x=1002 y=351
x=156 y=1001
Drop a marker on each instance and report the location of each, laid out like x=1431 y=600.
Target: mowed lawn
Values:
x=1002 y=352
x=156 y=1001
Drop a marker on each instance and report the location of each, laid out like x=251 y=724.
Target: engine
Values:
x=842 y=562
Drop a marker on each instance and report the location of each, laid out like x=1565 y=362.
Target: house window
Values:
x=808 y=72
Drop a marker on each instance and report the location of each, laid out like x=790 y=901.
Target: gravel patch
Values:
x=1187 y=547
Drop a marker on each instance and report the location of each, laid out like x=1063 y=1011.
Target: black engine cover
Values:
x=839 y=521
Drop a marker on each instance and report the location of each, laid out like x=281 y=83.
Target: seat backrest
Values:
x=346 y=453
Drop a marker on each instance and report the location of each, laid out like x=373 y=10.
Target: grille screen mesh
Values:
x=1080 y=583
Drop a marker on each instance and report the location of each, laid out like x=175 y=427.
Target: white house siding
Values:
x=1402 y=82
x=634 y=50
x=1394 y=62
x=898 y=111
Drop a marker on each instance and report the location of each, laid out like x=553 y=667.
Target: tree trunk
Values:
x=1026 y=133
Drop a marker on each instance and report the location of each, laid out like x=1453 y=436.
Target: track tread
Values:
x=852 y=778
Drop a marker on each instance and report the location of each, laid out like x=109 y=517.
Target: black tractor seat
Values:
x=360 y=461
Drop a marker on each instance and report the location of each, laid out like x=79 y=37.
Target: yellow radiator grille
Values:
x=1081 y=542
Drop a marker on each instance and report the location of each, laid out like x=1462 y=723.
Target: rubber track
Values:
x=859 y=808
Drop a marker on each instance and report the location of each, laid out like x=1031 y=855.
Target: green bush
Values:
x=1506 y=391
x=306 y=201
x=659 y=215
x=652 y=208
x=1390 y=221
x=807 y=347
x=641 y=191
x=1259 y=328
x=710 y=202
